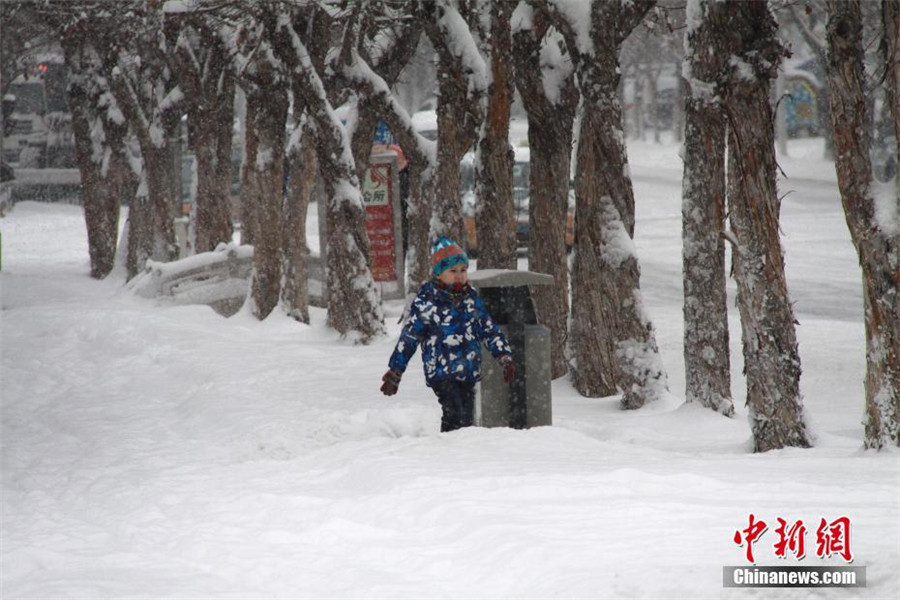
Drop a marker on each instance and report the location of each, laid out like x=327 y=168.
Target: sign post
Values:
x=381 y=195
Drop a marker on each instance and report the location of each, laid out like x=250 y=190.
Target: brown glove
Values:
x=391 y=380
x=509 y=368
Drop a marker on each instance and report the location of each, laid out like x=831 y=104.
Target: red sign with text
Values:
x=378 y=194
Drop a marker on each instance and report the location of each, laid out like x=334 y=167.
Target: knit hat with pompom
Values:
x=445 y=254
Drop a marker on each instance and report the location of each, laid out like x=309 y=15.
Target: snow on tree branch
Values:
x=454 y=35
x=576 y=22
x=318 y=104
x=374 y=88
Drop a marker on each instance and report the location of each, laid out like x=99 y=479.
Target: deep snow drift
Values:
x=153 y=451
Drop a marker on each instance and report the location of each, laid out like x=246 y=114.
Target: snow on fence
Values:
x=220 y=279
x=45 y=185
x=5 y=197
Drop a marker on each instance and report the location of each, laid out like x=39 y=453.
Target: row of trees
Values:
x=732 y=60
x=138 y=66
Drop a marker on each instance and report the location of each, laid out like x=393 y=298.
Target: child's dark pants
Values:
x=457 y=400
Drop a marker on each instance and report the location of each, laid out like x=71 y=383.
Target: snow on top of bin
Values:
x=492 y=278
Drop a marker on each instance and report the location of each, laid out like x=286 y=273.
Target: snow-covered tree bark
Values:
x=612 y=341
x=385 y=50
x=270 y=102
x=461 y=86
x=149 y=96
x=206 y=72
x=101 y=206
x=706 y=351
x=303 y=168
x=771 y=358
x=496 y=223
x=353 y=304
x=100 y=142
x=265 y=83
x=872 y=216
x=546 y=82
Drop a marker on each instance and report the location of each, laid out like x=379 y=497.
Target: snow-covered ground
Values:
x=152 y=451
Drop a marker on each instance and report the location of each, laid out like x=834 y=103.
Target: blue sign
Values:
x=383 y=135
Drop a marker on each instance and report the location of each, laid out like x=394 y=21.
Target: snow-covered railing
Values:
x=5 y=197
x=46 y=185
x=219 y=279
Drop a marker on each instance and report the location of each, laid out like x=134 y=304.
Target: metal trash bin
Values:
x=527 y=401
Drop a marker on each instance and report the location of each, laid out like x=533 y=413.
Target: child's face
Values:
x=455 y=275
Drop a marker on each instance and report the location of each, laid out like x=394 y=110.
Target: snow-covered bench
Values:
x=219 y=279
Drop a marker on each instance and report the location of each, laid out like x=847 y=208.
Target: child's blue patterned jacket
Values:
x=450 y=327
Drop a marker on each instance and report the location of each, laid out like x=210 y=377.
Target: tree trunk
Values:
x=613 y=342
x=613 y=345
x=353 y=301
x=418 y=252
x=102 y=189
x=224 y=160
x=771 y=359
x=303 y=166
x=212 y=147
x=550 y=125
x=152 y=234
x=707 y=361
x=591 y=341
x=364 y=132
x=877 y=243
x=271 y=105
x=547 y=221
x=147 y=94
x=158 y=164
x=496 y=223
x=212 y=224
x=101 y=208
x=208 y=80
x=249 y=174
x=452 y=142
x=459 y=111
x=140 y=229
x=121 y=181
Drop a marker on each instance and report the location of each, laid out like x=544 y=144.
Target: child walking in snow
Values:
x=449 y=319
